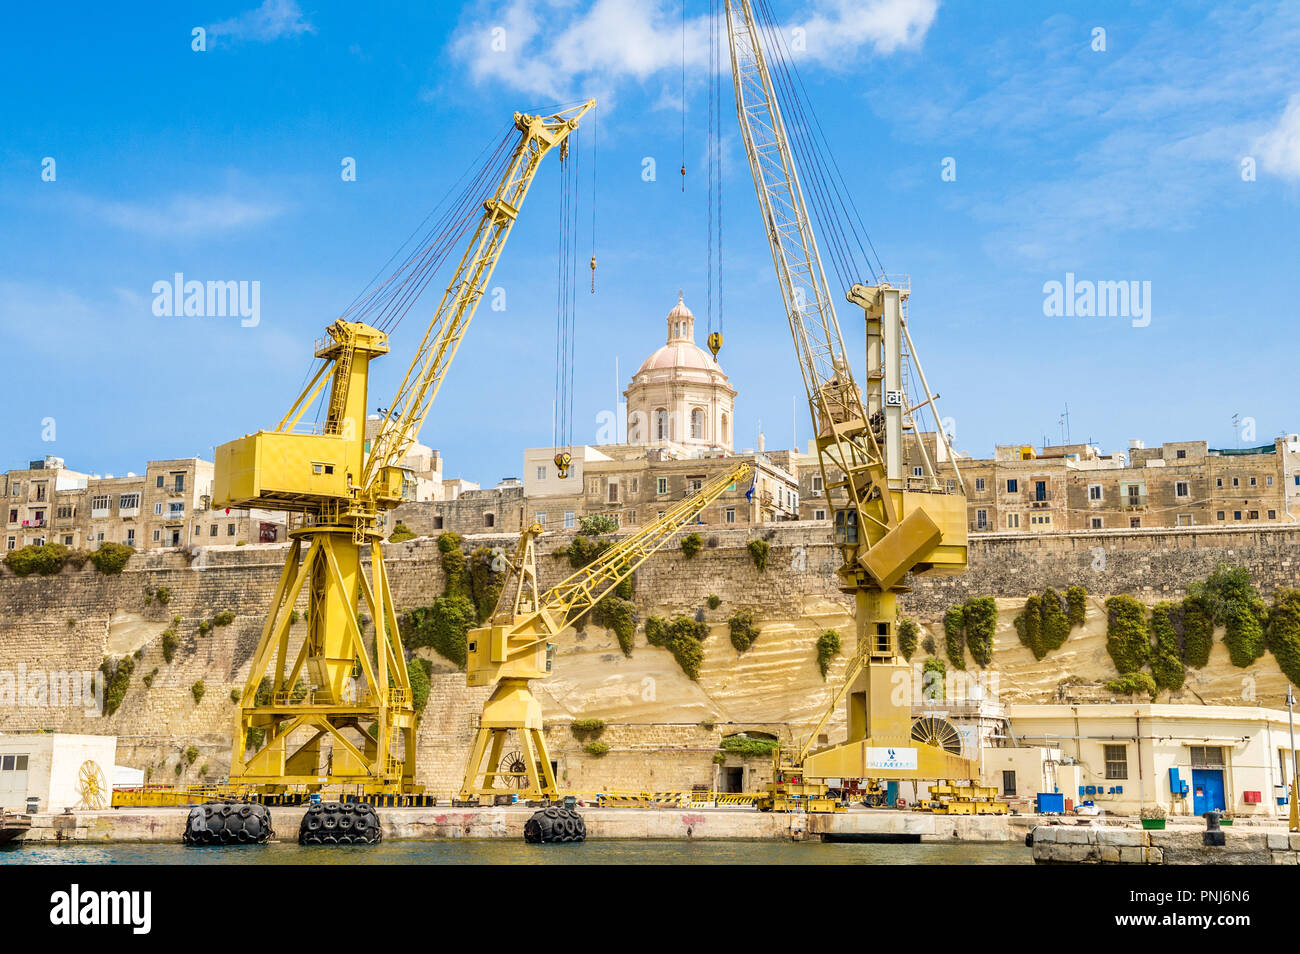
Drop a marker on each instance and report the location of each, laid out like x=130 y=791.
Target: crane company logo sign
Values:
x=1083 y=298
x=179 y=298
x=77 y=907
x=891 y=759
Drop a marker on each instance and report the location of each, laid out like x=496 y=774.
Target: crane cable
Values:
x=565 y=308
x=832 y=201
x=714 y=318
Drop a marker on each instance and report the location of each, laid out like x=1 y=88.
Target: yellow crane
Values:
x=516 y=645
x=887 y=524
x=342 y=484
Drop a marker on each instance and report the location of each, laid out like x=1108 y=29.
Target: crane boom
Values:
x=515 y=647
x=441 y=340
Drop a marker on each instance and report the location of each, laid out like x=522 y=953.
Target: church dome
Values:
x=680 y=394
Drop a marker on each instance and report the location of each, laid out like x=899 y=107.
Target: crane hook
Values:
x=715 y=342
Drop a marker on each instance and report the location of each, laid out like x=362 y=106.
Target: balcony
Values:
x=1133 y=501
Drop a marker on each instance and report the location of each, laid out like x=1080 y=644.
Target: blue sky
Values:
x=1117 y=164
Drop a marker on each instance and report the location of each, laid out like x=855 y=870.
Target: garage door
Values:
x=13 y=782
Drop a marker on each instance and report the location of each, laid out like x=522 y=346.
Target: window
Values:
x=540 y=518
x=1254 y=482
x=180 y=480
x=17 y=489
x=157 y=535
x=1182 y=489
x=1135 y=523
x=1252 y=515
x=175 y=510
x=1236 y=481
x=67 y=540
x=817 y=484
x=130 y=537
x=157 y=509
x=489 y=520
x=1220 y=515
x=13 y=516
x=1186 y=520
x=723 y=428
x=437 y=523
x=981 y=519
x=128 y=502
x=1116 y=761
x=1268 y=481
x=918 y=472
x=1097 y=523
x=230 y=529
x=730 y=515
x=661 y=424
x=1013 y=521
x=661 y=485
x=1008 y=782
x=161 y=481
x=1236 y=515
x=569 y=520
x=636 y=484
x=541 y=473
x=1207 y=756
x=212 y=530
x=697 y=424
x=1218 y=481
x=819 y=514
x=40 y=492
x=979 y=484
x=1180 y=454
x=101 y=502
x=1012 y=486
x=13 y=763
x=613 y=491
x=695 y=483
x=1272 y=515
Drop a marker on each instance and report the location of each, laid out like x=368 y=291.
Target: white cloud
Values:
x=1279 y=149
x=181 y=215
x=271 y=21
x=580 y=51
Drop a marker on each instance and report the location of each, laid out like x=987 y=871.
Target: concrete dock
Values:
x=1262 y=844
x=167 y=824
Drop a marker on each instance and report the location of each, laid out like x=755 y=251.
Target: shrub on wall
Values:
x=828 y=647
x=1198 y=632
x=933 y=674
x=1029 y=627
x=1076 y=599
x=980 y=622
x=758 y=550
x=417 y=671
x=117 y=679
x=485 y=581
x=401 y=533
x=747 y=746
x=1127 y=638
x=692 y=544
x=682 y=637
x=583 y=729
x=1283 y=632
x=44 y=560
x=618 y=615
x=442 y=627
x=197 y=690
x=954 y=633
x=169 y=643
x=224 y=618
x=583 y=550
x=1166 y=666
x=454 y=572
x=908 y=631
x=1056 y=625
x=594 y=524
x=111 y=557
x=1134 y=684
x=714 y=601
x=1230 y=600
x=596 y=750
x=743 y=631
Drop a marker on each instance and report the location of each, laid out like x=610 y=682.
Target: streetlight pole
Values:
x=1294 y=820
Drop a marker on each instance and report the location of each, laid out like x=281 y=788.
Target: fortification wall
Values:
x=663 y=727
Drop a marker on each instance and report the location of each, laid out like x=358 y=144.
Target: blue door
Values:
x=1207 y=790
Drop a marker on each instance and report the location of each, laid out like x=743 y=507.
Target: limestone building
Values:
x=680 y=433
